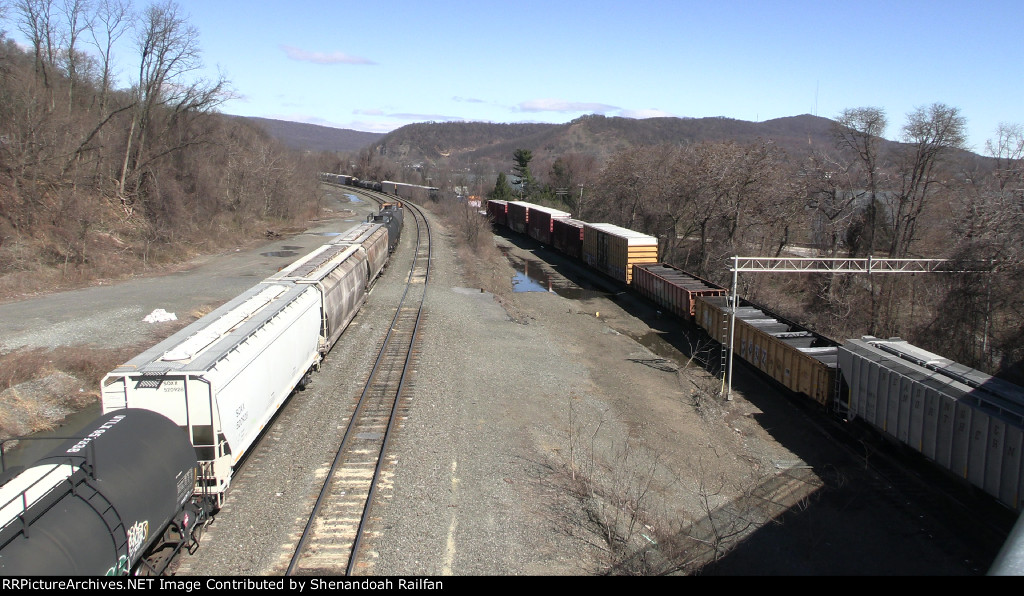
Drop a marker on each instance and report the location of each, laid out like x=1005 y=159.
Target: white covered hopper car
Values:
x=225 y=376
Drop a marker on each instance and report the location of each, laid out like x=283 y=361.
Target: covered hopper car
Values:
x=966 y=421
x=371 y=240
x=224 y=377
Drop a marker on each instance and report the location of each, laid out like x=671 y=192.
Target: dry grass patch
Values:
x=41 y=387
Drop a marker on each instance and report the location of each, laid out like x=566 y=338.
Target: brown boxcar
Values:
x=672 y=288
x=518 y=214
x=539 y=221
x=567 y=236
x=498 y=212
x=800 y=360
x=613 y=250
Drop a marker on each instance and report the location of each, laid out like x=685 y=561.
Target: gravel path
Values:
x=110 y=315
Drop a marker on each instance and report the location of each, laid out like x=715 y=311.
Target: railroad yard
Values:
x=561 y=431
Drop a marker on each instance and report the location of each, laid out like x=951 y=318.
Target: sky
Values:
x=376 y=65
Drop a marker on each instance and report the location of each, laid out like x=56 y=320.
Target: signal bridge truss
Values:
x=867 y=265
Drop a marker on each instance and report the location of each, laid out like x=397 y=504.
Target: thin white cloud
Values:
x=467 y=100
x=407 y=117
x=426 y=117
x=560 y=105
x=642 y=114
x=301 y=55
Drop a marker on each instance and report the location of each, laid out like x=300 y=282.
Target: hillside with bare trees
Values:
x=102 y=181
x=804 y=186
x=921 y=198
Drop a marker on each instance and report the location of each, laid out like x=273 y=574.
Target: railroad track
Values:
x=331 y=541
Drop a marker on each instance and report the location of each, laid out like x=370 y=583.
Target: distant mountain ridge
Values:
x=467 y=142
x=313 y=137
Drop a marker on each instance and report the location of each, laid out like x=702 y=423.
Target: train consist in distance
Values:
x=398 y=189
x=966 y=422
x=178 y=418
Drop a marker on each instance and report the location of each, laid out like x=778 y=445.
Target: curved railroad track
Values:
x=330 y=543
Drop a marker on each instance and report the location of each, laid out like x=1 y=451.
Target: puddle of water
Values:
x=532 y=277
x=41 y=444
x=353 y=199
x=279 y=253
x=655 y=342
x=521 y=282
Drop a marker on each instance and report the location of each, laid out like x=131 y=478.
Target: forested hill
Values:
x=312 y=137
x=596 y=135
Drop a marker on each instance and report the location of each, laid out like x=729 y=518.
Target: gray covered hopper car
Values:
x=967 y=422
x=371 y=239
x=341 y=272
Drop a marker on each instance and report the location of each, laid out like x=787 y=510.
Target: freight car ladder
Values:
x=840 y=402
x=723 y=340
x=105 y=509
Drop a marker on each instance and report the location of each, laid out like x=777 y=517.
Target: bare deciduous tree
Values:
x=931 y=133
x=169 y=51
x=1008 y=151
x=76 y=21
x=35 y=19
x=111 y=21
x=860 y=131
x=573 y=173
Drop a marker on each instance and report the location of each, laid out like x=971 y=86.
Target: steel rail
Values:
x=398 y=396
x=381 y=358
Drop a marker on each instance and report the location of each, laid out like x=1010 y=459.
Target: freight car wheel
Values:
x=157 y=562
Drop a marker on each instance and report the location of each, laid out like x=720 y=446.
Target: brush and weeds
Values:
x=40 y=387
